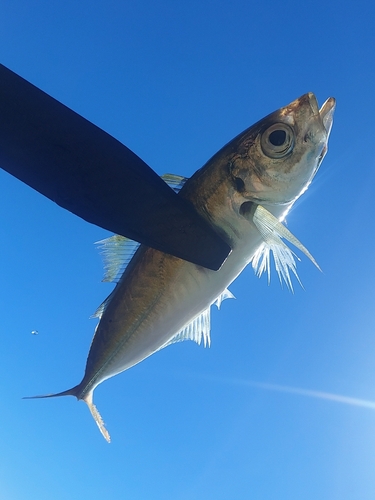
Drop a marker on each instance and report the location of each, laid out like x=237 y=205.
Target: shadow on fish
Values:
x=244 y=191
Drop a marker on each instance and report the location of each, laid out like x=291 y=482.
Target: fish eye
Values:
x=277 y=141
x=277 y=137
x=239 y=184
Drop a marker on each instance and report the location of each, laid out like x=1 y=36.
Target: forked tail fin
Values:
x=70 y=392
x=87 y=398
x=96 y=415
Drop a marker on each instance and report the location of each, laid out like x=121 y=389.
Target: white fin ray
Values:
x=227 y=294
x=199 y=329
x=100 y=310
x=174 y=181
x=117 y=251
x=272 y=230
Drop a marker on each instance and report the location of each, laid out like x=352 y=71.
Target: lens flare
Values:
x=337 y=398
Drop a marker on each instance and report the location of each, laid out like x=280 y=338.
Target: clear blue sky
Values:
x=175 y=81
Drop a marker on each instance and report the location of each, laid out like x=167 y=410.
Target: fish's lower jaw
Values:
x=97 y=417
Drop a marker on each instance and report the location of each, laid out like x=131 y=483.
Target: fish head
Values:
x=279 y=156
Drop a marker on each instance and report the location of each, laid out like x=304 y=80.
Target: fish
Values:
x=245 y=192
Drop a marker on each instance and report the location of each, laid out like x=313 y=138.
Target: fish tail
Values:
x=87 y=398
x=70 y=392
x=96 y=416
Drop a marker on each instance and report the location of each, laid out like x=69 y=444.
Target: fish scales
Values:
x=158 y=295
x=244 y=191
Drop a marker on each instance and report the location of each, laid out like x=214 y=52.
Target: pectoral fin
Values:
x=272 y=230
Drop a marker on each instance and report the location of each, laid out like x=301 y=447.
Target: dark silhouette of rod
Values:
x=85 y=170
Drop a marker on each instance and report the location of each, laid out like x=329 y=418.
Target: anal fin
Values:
x=199 y=328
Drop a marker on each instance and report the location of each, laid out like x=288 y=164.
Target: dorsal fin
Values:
x=174 y=181
x=100 y=310
x=117 y=252
x=272 y=230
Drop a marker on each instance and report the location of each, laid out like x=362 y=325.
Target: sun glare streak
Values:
x=337 y=398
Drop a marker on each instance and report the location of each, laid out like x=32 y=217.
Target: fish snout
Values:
x=326 y=113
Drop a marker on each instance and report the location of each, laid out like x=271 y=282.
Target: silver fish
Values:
x=245 y=192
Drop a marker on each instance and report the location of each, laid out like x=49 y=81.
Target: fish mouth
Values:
x=326 y=114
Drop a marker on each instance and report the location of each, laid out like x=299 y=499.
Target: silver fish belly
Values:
x=244 y=191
